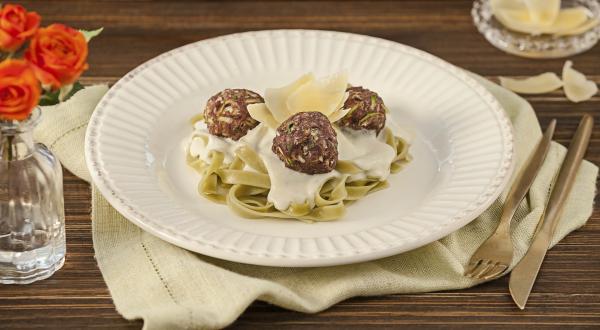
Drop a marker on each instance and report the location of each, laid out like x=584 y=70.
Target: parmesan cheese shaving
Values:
x=323 y=95
x=543 y=12
x=577 y=87
x=338 y=114
x=276 y=98
x=540 y=84
x=260 y=112
x=569 y=19
x=520 y=20
x=590 y=24
x=506 y=4
x=517 y=20
x=326 y=95
x=542 y=17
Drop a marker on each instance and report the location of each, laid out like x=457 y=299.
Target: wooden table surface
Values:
x=567 y=291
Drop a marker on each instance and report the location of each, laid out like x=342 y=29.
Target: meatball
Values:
x=367 y=110
x=307 y=143
x=226 y=113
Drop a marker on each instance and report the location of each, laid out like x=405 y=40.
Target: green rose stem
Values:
x=9 y=140
x=6 y=146
x=7 y=156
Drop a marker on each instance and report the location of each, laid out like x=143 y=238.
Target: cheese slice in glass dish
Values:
x=539 y=28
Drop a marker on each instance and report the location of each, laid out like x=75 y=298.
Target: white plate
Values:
x=463 y=151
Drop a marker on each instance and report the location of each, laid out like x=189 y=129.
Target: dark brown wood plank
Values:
x=568 y=288
x=142 y=30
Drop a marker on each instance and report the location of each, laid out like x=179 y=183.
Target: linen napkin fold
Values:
x=62 y=128
x=172 y=288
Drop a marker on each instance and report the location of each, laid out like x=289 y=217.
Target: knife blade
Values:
x=525 y=272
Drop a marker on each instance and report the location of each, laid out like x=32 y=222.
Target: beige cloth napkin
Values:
x=171 y=288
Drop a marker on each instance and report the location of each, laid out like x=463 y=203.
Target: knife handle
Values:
x=566 y=176
x=525 y=178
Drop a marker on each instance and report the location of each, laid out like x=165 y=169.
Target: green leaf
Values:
x=77 y=86
x=88 y=35
x=49 y=98
x=55 y=97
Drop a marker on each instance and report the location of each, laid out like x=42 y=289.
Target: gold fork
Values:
x=494 y=256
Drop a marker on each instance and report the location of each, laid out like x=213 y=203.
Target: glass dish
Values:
x=541 y=46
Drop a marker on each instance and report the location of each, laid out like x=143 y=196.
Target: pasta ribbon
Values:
x=244 y=184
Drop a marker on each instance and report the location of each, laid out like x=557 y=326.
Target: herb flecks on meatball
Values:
x=226 y=113
x=367 y=110
x=306 y=142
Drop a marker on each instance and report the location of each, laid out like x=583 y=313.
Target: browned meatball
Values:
x=307 y=143
x=367 y=110
x=226 y=113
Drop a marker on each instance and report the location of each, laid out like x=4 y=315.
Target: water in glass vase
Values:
x=32 y=235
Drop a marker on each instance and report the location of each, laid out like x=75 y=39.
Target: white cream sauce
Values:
x=364 y=149
x=367 y=151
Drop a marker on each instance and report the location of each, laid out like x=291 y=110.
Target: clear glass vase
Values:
x=32 y=221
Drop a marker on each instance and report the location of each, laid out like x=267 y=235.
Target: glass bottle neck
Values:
x=14 y=146
x=16 y=137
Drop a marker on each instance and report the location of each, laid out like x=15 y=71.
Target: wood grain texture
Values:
x=567 y=292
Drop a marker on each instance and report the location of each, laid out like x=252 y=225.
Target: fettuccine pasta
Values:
x=244 y=183
x=305 y=151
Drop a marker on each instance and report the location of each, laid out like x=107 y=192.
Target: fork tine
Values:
x=478 y=268
x=501 y=268
x=473 y=266
x=490 y=269
x=484 y=269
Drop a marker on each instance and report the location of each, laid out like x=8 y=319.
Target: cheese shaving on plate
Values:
x=326 y=95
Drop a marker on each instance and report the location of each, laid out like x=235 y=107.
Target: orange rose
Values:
x=58 y=55
x=16 y=25
x=19 y=90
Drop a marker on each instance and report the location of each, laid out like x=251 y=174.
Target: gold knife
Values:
x=525 y=272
